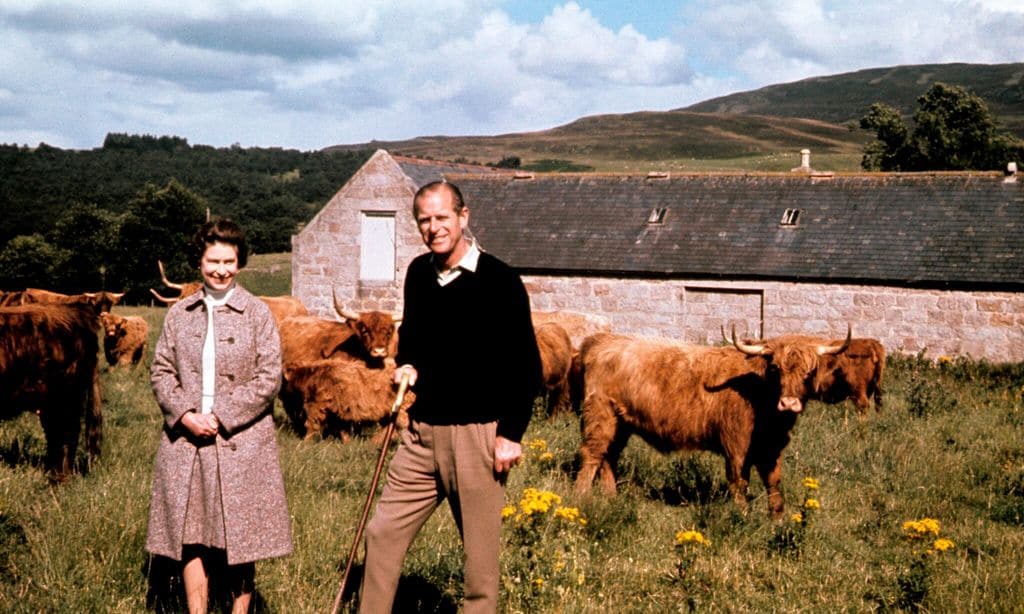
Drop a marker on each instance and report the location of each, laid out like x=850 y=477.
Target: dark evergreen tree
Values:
x=159 y=225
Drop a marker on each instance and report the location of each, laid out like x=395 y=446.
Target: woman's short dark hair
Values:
x=219 y=231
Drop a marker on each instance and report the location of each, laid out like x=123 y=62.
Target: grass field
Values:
x=949 y=446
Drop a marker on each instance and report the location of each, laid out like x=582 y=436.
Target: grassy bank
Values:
x=949 y=446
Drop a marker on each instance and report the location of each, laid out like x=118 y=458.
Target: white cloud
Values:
x=571 y=45
x=772 y=41
x=321 y=72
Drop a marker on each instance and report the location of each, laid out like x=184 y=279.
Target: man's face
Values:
x=440 y=226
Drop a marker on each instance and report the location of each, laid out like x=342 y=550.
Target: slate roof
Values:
x=423 y=172
x=941 y=230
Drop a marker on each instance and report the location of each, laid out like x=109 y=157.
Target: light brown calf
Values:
x=124 y=339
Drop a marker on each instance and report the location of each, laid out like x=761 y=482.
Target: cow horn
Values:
x=347 y=315
x=752 y=350
x=396 y=319
x=164 y=299
x=837 y=349
x=167 y=282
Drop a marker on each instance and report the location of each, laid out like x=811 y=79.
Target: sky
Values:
x=314 y=73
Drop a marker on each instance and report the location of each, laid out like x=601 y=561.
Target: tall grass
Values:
x=948 y=446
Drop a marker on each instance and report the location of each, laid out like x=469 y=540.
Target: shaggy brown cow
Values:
x=855 y=374
x=48 y=363
x=556 y=361
x=338 y=395
x=578 y=325
x=124 y=339
x=282 y=307
x=97 y=301
x=367 y=337
x=184 y=289
x=741 y=403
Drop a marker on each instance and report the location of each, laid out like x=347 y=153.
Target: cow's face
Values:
x=792 y=366
x=112 y=324
x=375 y=329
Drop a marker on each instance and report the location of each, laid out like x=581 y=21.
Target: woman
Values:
x=217 y=486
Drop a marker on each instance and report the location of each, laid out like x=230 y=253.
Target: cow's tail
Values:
x=879 y=371
x=94 y=417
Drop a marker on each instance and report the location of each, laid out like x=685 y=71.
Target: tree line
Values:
x=99 y=219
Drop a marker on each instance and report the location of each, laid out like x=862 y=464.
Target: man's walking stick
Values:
x=403 y=384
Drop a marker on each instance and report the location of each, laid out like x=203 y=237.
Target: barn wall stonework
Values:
x=986 y=325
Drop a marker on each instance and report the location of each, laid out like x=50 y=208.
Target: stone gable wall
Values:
x=326 y=252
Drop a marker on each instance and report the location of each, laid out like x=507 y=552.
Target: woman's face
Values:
x=219 y=265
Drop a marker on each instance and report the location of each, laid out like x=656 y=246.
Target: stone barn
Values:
x=922 y=261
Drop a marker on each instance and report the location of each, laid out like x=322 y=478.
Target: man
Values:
x=467 y=345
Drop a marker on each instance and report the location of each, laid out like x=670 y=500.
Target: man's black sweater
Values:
x=473 y=346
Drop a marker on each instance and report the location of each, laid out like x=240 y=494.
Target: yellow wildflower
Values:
x=539 y=445
x=942 y=544
x=580 y=579
x=538 y=582
x=810 y=484
x=507 y=511
x=920 y=528
x=797 y=517
x=945 y=360
x=546 y=456
x=812 y=504
x=538 y=501
x=570 y=514
x=685 y=537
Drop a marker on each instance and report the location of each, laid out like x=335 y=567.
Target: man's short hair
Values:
x=434 y=186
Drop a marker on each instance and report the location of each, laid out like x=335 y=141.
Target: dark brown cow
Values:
x=337 y=395
x=556 y=361
x=740 y=402
x=124 y=339
x=48 y=363
x=855 y=374
x=367 y=337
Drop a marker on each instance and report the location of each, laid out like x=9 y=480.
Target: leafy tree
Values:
x=86 y=236
x=891 y=151
x=953 y=130
x=28 y=261
x=159 y=225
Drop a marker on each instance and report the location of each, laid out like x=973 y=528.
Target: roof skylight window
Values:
x=790 y=217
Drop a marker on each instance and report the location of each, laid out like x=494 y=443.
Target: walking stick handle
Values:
x=403 y=385
x=399 y=396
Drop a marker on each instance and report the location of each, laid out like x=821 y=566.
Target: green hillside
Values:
x=760 y=130
x=644 y=141
x=846 y=97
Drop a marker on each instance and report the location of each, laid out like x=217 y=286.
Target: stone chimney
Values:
x=805 y=163
x=1011 y=173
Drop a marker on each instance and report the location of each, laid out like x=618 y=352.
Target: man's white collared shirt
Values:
x=468 y=262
